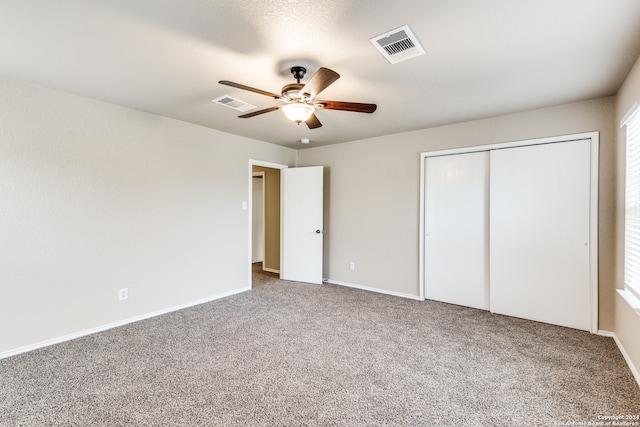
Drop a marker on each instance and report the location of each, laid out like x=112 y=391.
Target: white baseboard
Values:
x=46 y=343
x=101 y=328
x=634 y=370
x=367 y=288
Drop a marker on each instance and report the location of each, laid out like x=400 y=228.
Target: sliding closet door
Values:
x=539 y=238
x=456 y=219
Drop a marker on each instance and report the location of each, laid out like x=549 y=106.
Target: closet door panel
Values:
x=456 y=220
x=539 y=233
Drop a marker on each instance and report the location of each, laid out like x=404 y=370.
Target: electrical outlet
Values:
x=352 y=266
x=123 y=294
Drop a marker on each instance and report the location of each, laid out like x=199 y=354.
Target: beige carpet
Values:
x=294 y=354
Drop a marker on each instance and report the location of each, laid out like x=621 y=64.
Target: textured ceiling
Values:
x=483 y=58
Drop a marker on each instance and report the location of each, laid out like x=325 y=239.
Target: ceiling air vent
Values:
x=398 y=45
x=234 y=103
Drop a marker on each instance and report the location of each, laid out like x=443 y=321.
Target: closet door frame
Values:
x=594 y=138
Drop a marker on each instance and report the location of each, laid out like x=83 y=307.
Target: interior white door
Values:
x=302 y=222
x=539 y=238
x=456 y=229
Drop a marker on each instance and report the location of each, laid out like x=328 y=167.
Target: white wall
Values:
x=627 y=321
x=372 y=193
x=96 y=197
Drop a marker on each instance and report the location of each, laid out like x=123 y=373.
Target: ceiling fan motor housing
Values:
x=291 y=92
x=298 y=72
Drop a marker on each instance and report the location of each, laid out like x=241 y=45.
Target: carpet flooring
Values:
x=293 y=354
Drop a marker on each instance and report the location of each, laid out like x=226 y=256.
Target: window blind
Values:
x=632 y=203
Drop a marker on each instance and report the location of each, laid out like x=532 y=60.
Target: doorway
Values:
x=264 y=220
x=257 y=218
x=293 y=221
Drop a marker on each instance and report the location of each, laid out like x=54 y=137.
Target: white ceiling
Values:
x=483 y=57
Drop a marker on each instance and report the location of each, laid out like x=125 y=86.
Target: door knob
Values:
x=318 y=231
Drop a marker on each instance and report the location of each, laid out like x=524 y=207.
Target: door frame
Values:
x=593 y=214
x=261 y=175
x=252 y=163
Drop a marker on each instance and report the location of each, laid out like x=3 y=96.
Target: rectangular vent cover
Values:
x=398 y=45
x=234 y=103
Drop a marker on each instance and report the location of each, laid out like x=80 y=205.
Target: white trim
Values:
x=631 y=299
x=119 y=323
x=630 y=113
x=377 y=290
x=252 y=163
x=594 y=239
x=421 y=242
x=262 y=175
x=512 y=144
x=593 y=229
x=634 y=370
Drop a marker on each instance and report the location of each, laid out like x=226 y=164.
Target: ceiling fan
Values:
x=299 y=99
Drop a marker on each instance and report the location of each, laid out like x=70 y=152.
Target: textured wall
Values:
x=95 y=197
x=372 y=193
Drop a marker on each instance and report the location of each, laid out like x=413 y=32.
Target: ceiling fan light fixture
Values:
x=298 y=112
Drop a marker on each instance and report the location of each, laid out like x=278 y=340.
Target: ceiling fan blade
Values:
x=257 y=113
x=313 y=122
x=249 y=88
x=319 y=82
x=347 y=106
